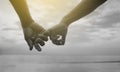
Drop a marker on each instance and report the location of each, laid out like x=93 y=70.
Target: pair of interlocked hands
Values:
x=36 y=36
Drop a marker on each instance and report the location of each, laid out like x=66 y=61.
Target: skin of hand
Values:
x=31 y=29
x=31 y=34
x=58 y=34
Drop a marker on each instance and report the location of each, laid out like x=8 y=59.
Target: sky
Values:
x=96 y=34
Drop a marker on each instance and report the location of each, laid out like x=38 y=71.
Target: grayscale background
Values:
x=92 y=44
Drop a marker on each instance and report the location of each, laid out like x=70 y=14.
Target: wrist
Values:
x=26 y=24
x=65 y=22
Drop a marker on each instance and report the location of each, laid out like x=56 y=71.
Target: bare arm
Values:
x=31 y=29
x=22 y=10
x=84 y=8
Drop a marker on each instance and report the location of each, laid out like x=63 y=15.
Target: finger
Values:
x=59 y=40
x=62 y=41
x=56 y=42
x=30 y=44
x=49 y=33
x=40 y=41
x=43 y=37
x=37 y=47
x=53 y=37
x=46 y=33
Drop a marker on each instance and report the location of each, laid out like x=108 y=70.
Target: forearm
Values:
x=22 y=10
x=84 y=8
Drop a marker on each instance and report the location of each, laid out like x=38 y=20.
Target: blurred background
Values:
x=95 y=37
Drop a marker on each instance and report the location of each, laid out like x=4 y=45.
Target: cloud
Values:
x=99 y=27
x=109 y=20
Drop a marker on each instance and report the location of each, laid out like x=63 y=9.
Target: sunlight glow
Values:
x=48 y=12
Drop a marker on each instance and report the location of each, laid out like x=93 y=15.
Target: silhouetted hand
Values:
x=34 y=37
x=57 y=34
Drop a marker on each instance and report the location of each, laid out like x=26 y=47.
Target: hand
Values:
x=57 y=34
x=31 y=34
